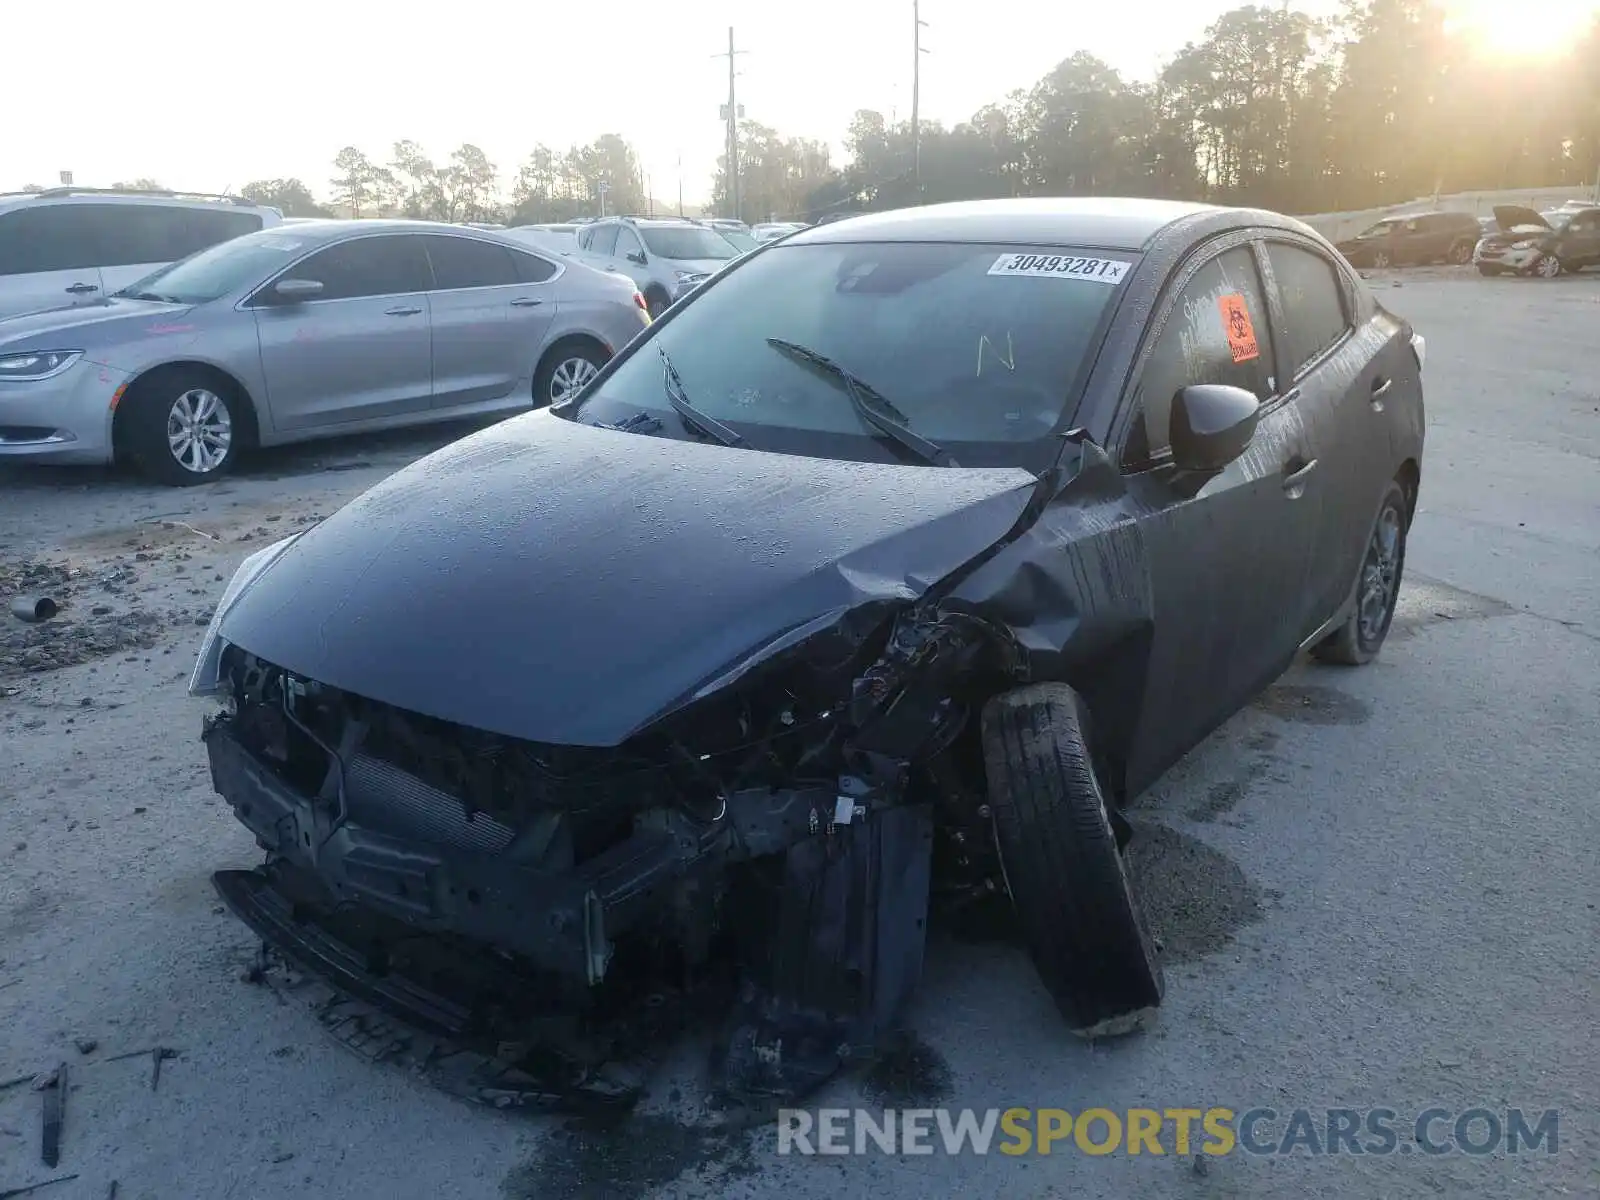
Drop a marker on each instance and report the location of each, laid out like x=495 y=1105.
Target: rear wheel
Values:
x=1359 y=639
x=1461 y=253
x=1062 y=865
x=183 y=427
x=1381 y=259
x=565 y=371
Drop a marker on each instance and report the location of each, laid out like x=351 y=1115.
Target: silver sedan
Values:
x=327 y=327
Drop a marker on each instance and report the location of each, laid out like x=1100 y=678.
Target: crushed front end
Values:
x=781 y=825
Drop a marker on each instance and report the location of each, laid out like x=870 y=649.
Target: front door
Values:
x=1230 y=553
x=361 y=350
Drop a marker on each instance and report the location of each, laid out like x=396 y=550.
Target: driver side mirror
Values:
x=296 y=290
x=636 y=256
x=1211 y=424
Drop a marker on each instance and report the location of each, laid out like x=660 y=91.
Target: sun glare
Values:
x=1533 y=29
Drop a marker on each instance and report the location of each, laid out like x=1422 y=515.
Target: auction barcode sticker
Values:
x=1061 y=266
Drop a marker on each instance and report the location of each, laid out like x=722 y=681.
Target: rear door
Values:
x=1340 y=387
x=1581 y=240
x=488 y=323
x=49 y=258
x=1231 y=552
x=359 y=352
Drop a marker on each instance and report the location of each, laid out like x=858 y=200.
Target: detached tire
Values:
x=185 y=427
x=1377 y=588
x=1066 y=876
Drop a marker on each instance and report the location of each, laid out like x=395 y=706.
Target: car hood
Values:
x=88 y=326
x=700 y=266
x=1510 y=216
x=568 y=584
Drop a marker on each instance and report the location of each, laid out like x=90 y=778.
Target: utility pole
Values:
x=732 y=114
x=917 y=26
x=680 y=183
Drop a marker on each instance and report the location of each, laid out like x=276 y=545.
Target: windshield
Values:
x=741 y=241
x=1381 y=229
x=969 y=343
x=224 y=268
x=686 y=242
x=1557 y=219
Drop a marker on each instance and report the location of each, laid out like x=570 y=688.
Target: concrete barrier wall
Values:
x=1335 y=226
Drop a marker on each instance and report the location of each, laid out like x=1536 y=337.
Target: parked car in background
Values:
x=820 y=612
x=66 y=247
x=1545 y=244
x=771 y=230
x=742 y=241
x=727 y=224
x=288 y=334
x=1414 y=240
x=559 y=238
x=665 y=256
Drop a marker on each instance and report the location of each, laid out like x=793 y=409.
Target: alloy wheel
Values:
x=569 y=376
x=199 y=431
x=1548 y=267
x=1380 y=577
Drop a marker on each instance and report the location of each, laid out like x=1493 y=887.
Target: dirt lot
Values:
x=1374 y=888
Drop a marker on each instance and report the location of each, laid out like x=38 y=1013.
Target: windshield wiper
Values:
x=640 y=422
x=691 y=415
x=871 y=405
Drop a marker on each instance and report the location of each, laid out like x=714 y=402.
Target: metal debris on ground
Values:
x=29 y=1189
x=157 y=1056
x=34 y=609
x=55 y=1103
x=86 y=1045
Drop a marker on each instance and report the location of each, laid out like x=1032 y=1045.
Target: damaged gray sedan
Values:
x=879 y=575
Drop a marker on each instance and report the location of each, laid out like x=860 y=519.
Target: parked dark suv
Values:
x=1414 y=240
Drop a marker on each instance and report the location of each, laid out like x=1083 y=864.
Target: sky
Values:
x=209 y=96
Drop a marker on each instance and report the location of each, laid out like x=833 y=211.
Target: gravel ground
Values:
x=1374 y=887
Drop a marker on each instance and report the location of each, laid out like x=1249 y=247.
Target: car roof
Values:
x=1106 y=222
x=138 y=199
x=331 y=229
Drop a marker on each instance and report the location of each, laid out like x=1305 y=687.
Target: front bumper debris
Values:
x=469 y=890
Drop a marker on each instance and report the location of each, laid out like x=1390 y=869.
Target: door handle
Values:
x=80 y=289
x=525 y=302
x=1294 y=480
x=1380 y=387
x=402 y=310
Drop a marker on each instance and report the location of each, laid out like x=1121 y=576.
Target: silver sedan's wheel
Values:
x=569 y=376
x=199 y=431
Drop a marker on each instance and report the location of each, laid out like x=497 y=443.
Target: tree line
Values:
x=1271 y=108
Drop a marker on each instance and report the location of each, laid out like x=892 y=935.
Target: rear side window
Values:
x=1313 y=303
x=1215 y=332
x=389 y=265
x=56 y=237
x=603 y=239
x=204 y=227
x=132 y=234
x=460 y=262
x=531 y=268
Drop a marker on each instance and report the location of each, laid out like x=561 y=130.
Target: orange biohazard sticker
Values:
x=1237 y=326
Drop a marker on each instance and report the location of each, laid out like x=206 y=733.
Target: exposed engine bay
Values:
x=776 y=839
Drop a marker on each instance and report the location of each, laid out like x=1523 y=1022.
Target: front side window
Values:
x=689 y=242
x=388 y=265
x=1313 y=302
x=226 y=267
x=203 y=227
x=460 y=262
x=969 y=343
x=1215 y=332
x=602 y=239
x=627 y=243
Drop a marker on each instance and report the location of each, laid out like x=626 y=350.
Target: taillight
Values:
x=639 y=301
